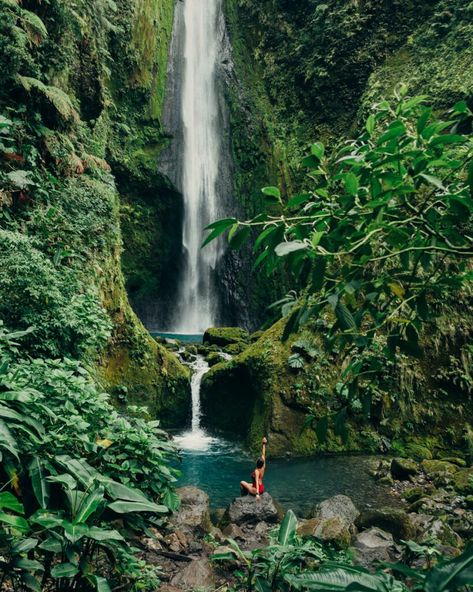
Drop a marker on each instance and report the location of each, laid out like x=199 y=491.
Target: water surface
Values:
x=297 y=483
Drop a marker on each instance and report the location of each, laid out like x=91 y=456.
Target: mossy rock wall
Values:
x=265 y=391
x=84 y=92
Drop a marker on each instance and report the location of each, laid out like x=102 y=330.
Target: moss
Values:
x=463 y=480
x=225 y=336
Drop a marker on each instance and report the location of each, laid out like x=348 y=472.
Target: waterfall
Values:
x=196 y=307
x=196 y=438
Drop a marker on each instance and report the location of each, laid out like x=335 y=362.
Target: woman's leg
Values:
x=246 y=488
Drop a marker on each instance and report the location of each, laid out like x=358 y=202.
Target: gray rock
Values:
x=233 y=531
x=250 y=510
x=428 y=528
x=334 y=530
x=374 y=545
x=197 y=574
x=338 y=506
x=194 y=511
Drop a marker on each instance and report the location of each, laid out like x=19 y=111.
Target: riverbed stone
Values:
x=233 y=531
x=374 y=545
x=429 y=528
x=224 y=336
x=340 y=506
x=214 y=358
x=393 y=520
x=332 y=530
x=196 y=574
x=193 y=513
x=250 y=510
x=439 y=470
x=403 y=468
x=463 y=481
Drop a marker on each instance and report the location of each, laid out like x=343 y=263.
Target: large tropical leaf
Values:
x=89 y=504
x=342 y=579
x=451 y=575
x=9 y=502
x=129 y=507
x=288 y=528
x=39 y=482
x=7 y=441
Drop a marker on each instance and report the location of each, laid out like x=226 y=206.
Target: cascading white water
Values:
x=196 y=438
x=196 y=308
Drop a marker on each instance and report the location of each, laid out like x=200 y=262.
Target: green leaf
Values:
x=101 y=584
x=89 y=504
x=351 y=183
x=16 y=522
x=272 y=194
x=370 y=124
x=298 y=200
x=9 y=502
x=20 y=179
x=433 y=180
x=316 y=237
x=447 y=139
x=396 y=129
x=344 y=317
x=64 y=570
x=38 y=482
x=101 y=534
x=286 y=248
x=288 y=528
x=74 y=532
x=451 y=575
x=7 y=441
x=240 y=237
x=317 y=150
x=132 y=507
x=123 y=492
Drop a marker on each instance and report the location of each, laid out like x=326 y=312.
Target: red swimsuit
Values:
x=261 y=486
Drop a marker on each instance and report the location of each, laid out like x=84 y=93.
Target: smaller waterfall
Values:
x=196 y=438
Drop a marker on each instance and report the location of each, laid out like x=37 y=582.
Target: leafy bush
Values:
x=33 y=292
x=80 y=470
x=382 y=235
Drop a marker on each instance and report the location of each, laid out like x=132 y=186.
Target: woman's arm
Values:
x=263 y=451
x=257 y=482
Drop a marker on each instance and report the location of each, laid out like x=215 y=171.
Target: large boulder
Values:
x=224 y=336
x=403 y=468
x=463 y=480
x=193 y=513
x=393 y=520
x=338 y=506
x=332 y=530
x=250 y=510
x=440 y=472
x=374 y=545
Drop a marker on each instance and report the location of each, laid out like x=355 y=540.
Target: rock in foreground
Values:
x=194 y=511
x=250 y=510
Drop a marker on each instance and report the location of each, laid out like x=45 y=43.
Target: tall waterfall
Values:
x=196 y=299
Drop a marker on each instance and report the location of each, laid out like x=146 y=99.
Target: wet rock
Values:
x=340 y=506
x=332 y=530
x=216 y=515
x=224 y=336
x=460 y=462
x=194 y=511
x=233 y=531
x=439 y=471
x=196 y=574
x=214 y=358
x=463 y=480
x=430 y=528
x=250 y=510
x=374 y=545
x=403 y=468
x=393 y=520
x=413 y=494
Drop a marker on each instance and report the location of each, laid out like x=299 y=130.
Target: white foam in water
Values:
x=196 y=438
x=201 y=156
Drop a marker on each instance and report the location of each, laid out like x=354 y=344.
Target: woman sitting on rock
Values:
x=256 y=487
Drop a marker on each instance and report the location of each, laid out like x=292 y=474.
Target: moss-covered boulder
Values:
x=328 y=530
x=403 y=468
x=437 y=469
x=224 y=336
x=463 y=481
x=393 y=520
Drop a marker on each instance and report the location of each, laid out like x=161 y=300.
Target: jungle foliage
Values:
x=382 y=236
x=290 y=563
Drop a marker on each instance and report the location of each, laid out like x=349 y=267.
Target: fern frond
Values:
x=55 y=96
